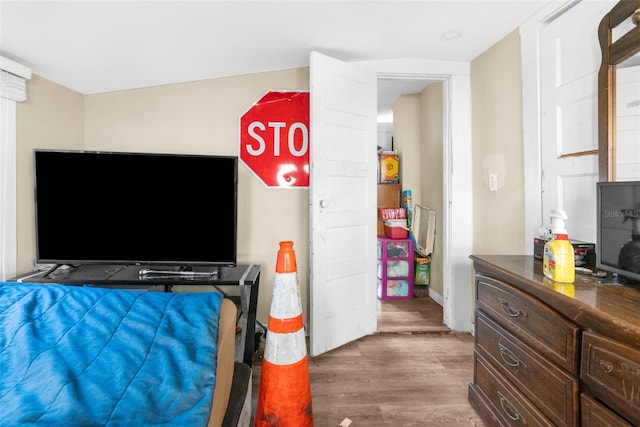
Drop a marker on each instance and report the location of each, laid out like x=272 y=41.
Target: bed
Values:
x=87 y=356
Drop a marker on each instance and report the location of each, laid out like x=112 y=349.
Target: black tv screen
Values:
x=618 y=243
x=135 y=208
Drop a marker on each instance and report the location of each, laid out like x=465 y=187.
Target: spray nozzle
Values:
x=558 y=216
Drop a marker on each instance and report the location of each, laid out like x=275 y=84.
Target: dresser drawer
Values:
x=506 y=403
x=551 y=389
x=595 y=414
x=611 y=371
x=531 y=321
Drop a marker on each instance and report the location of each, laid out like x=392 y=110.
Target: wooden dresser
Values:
x=550 y=354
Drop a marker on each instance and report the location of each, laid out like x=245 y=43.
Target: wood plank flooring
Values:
x=413 y=315
x=413 y=372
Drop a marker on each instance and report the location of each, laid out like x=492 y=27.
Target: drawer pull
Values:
x=606 y=366
x=510 y=410
x=509 y=357
x=510 y=309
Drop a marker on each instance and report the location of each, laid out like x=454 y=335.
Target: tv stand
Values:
x=183 y=272
x=246 y=279
x=119 y=274
x=57 y=266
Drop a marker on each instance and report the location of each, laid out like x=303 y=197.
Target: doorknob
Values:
x=324 y=203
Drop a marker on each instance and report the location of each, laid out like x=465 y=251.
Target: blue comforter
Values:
x=83 y=356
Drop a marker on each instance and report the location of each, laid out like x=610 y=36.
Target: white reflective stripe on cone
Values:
x=286 y=302
x=285 y=349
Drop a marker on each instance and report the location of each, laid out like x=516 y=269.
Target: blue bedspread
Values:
x=83 y=356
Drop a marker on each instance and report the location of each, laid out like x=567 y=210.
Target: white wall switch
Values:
x=493 y=182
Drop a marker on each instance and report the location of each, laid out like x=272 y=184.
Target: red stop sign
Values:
x=274 y=139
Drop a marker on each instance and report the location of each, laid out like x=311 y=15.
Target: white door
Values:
x=569 y=62
x=342 y=203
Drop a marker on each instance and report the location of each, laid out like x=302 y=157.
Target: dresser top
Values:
x=590 y=302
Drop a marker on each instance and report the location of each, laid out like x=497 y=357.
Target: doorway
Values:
x=418 y=127
x=327 y=329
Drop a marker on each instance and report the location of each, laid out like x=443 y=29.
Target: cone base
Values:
x=285 y=396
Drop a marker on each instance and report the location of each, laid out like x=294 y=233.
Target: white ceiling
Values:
x=101 y=46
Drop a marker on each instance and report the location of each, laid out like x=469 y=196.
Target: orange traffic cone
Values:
x=285 y=393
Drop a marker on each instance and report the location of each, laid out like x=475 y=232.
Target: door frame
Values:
x=457 y=286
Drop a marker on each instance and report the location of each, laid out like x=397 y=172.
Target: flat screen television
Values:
x=96 y=207
x=618 y=237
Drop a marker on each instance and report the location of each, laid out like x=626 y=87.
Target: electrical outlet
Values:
x=493 y=182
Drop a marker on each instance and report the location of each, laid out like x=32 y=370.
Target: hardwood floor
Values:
x=413 y=315
x=413 y=372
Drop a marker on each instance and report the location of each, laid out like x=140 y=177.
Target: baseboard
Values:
x=436 y=297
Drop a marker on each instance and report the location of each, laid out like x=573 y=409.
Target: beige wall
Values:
x=496 y=123
x=197 y=117
x=406 y=141
x=52 y=117
x=432 y=172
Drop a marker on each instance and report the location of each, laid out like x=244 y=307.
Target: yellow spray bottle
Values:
x=558 y=261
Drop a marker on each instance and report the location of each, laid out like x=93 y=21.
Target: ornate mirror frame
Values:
x=613 y=53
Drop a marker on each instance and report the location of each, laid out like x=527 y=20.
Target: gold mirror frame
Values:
x=613 y=53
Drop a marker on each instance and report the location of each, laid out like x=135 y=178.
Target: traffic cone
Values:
x=285 y=394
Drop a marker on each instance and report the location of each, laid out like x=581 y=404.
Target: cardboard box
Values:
x=389 y=167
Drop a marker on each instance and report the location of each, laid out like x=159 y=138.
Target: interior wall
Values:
x=431 y=174
x=406 y=141
x=196 y=117
x=52 y=117
x=497 y=148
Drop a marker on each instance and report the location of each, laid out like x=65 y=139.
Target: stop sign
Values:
x=274 y=139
